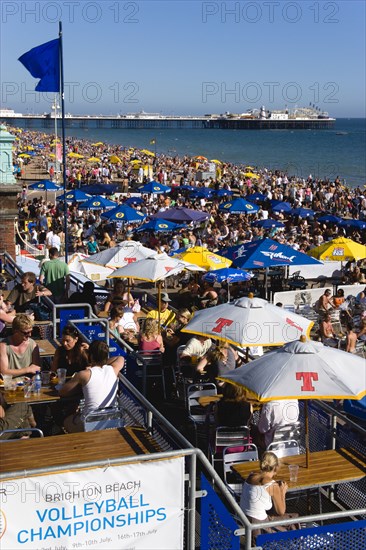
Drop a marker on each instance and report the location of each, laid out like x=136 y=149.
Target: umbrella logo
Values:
x=162 y=225
x=69 y=196
x=293 y=324
x=156 y=188
x=214 y=259
x=227 y=205
x=277 y=256
x=338 y=251
x=41 y=185
x=221 y=323
x=249 y=207
x=129 y=260
x=120 y=215
x=96 y=203
x=306 y=377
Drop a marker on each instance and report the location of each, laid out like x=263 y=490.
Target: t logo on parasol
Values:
x=307 y=377
x=221 y=323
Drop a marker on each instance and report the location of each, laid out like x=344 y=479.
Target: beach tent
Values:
x=264 y=253
x=340 y=249
x=182 y=214
x=239 y=206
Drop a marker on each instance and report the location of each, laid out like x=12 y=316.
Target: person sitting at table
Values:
x=26 y=292
x=7 y=313
x=217 y=362
x=357 y=277
x=362 y=334
x=118 y=292
x=275 y=414
x=327 y=333
x=325 y=302
x=261 y=493
x=72 y=354
x=86 y=296
x=233 y=408
x=167 y=317
x=128 y=322
x=115 y=315
x=98 y=382
x=14 y=417
x=19 y=354
x=195 y=349
x=173 y=336
x=351 y=338
x=150 y=339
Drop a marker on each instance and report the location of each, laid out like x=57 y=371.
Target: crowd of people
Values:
x=92 y=374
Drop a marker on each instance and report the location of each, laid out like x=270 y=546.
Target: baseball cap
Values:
x=165 y=297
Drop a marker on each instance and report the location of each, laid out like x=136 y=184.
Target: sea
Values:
x=323 y=154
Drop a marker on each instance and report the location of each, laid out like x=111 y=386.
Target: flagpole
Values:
x=62 y=95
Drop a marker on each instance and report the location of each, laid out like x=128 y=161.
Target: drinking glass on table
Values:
x=61 y=375
x=46 y=377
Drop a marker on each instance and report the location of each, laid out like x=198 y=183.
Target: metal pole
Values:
x=63 y=140
x=192 y=503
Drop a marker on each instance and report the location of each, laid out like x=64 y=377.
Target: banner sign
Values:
x=138 y=506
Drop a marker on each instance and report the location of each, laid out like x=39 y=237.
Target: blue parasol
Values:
x=182 y=214
x=124 y=214
x=97 y=203
x=267 y=224
x=154 y=187
x=44 y=185
x=74 y=195
x=302 y=212
x=239 y=206
x=159 y=226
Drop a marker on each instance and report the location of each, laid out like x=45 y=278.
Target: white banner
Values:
x=326 y=269
x=138 y=506
x=300 y=298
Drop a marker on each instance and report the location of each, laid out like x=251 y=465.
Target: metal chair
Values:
x=197 y=414
x=151 y=363
x=104 y=419
x=19 y=431
x=288 y=447
x=229 y=436
x=230 y=459
x=289 y=431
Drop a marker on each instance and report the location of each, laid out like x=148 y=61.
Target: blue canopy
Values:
x=97 y=203
x=329 y=218
x=185 y=188
x=154 y=187
x=266 y=253
x=125 y=214
x=280 y=206
x=303 y=212
x=134 y=200
x=44 y=185
x=182 y=214
x=354 y=224
x=100 y=188
x=201 y=193
x=159 y=226
x=267 y=224
x=260 y=197
x=355 y=408
x=239 y=206
x=74 y=195
x=223 y=192
x=229 y=274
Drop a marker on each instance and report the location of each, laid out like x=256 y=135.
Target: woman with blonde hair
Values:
x=150 y=339
x=261 y=492
x=19 y=354
x=218 y=361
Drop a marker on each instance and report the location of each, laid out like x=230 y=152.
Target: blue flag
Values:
x=44 y=62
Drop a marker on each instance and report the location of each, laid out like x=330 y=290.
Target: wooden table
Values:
x=27 y=454
x=326 y=468
x=47 y=348
x=46 y=395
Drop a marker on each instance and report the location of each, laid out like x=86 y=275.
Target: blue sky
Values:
x=190 y=57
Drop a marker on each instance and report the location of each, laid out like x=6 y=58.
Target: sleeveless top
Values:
x=71 y=367
x=101 y=389
x=152 y=345
x=19 y=361
x=255 y=500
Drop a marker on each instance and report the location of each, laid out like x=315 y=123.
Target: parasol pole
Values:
x=307 y=433
x=159 y=304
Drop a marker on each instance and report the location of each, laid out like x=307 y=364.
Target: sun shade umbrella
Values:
x=97 y=203
x=260 y=197
x=159 y=226
x=264 y=253
x=203 y=258
x=201 y=193
x=249 y=322
x=75 y=155
x=340 y=249
x=44 y=185
x=182 y=214
x=124 y=214
x=267 y=224
x=114 y=159
x=303 y=370
x=154 y=269
x=123 y=254
x=354 y=224
x=100 y=188
x=279 y=206
x=97 y=144
x=329 y=218
x=134 y=200
x=74 y=196
x=94 y=272
x=93 y=159
x=239 y=206
x=222 y=192
x=154 y=187
x=302 y=212
x=227 y=274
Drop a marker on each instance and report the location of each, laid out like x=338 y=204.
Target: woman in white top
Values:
x=261 y=493
x=99 y=384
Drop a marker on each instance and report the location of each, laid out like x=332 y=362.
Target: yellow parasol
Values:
x=198 y=255
x=340 y=250
x=114 y=159
x=25 y=155
x=75 y=155
x=147 y=152
x=216 y=161
x=97 y=144
x=94 y=159
x=251 y=175
x=200 y=157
